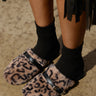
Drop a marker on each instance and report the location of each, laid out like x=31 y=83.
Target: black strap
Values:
x=33 y=61
x=56 y=88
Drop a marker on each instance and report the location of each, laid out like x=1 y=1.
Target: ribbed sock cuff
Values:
x=75 y=51
x=47 y=31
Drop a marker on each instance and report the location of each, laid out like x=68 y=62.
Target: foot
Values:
x=33 y=61
x=24 y=67
x=49 y=83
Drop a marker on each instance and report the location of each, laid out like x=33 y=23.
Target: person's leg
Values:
x=34 y=60
x=42 y=11
x=72 y=32
x=47 y=45
x=73 y=36
x=63 y=76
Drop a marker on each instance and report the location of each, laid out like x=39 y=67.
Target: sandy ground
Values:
x=17 y=33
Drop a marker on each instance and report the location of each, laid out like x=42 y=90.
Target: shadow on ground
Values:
x=89 y=59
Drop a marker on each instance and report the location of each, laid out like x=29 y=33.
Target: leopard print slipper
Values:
x=24 y=67
x=49 y=83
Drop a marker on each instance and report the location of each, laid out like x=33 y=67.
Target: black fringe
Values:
x=77 y=7
x=73 y=7
x=94 y=12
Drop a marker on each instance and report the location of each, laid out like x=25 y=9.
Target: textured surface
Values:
x=17 y=33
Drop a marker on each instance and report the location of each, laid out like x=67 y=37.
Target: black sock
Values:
x=47 y=46
x=71 y=63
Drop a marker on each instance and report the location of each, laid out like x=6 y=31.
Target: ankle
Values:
x=47 y=46
x=71 y=63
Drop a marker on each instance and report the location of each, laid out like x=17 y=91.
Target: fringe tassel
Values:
x=77 y=7
x=73 y=7
x=88 y=9
x=90 y=13
x=94 y=12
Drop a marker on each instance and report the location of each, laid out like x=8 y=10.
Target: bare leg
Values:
x=47 y=45
x=72 y=33
x=42 y=11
